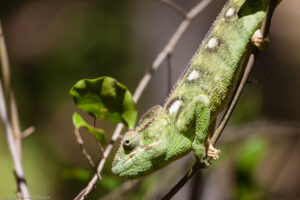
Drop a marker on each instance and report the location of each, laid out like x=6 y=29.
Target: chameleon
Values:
x=184 y=123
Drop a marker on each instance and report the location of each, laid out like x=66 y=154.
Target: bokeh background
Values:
x=54 y=43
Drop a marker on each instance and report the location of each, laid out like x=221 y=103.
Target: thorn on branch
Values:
x=27 y=132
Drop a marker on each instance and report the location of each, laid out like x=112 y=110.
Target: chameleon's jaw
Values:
x=123 y=164
x=134 y=164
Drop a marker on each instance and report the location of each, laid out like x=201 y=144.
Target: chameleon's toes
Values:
x=213 y=152
x=259 y=41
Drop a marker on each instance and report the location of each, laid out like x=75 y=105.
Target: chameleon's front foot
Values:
x=212 y=152
x=259 y=41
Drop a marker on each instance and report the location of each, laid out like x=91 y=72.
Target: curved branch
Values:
x=12 y=127
x=12 y=111
x=18 y=168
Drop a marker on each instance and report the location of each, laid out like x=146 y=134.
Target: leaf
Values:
x=79 y=122
x=105 y=98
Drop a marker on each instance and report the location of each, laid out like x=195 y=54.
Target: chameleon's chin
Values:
x=117 y=170
x=140 y=162
x=129 y=170
x=124 y=166
x=131 y=167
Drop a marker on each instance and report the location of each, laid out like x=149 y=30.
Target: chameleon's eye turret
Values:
x=131 y=140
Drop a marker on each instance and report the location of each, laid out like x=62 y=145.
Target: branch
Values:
x=18 y=168
x=175 y=7
x=84 y=151
x=169 y=69
x=13 y=111
x=12 y=127
x=167 y=50
x=197 y=166
x=27 y=132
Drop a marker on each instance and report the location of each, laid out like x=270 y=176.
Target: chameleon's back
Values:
x=212 y=76
x=215 y=67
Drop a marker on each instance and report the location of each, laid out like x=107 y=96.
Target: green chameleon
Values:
x=167 y=133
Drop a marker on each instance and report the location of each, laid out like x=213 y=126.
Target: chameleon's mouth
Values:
x=129 y=165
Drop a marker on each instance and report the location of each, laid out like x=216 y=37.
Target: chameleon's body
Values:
x=167 y=133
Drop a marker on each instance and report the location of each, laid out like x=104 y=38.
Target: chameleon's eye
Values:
x=131 y=140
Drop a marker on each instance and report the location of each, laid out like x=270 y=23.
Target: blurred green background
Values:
x=54 y=43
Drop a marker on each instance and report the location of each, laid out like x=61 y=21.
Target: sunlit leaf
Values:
x=79 y=122
x=105 y=98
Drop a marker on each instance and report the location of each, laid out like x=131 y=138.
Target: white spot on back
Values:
x=212 y=43
x=229 y=13
x=217 y=78
x=204 y=99
x=193 y=75
x=174 y=107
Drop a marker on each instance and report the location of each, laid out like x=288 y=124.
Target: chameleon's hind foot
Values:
x=259 y=41
x=212 y=152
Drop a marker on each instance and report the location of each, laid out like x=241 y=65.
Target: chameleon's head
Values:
x=142 y=148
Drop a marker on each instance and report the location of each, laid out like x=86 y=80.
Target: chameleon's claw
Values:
x=259 y=41
x=213 y=152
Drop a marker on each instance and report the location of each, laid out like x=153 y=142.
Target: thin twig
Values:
x=184 y=179
x=100 y=147
x=197 y=166
x=88 y=189
x=265 y=27
x=169 y=69
x=13 y=111
x=18 y=168
x=175 y=7
x=98 y=143
x=168 y=49
x=12 y=126
x=84 y=151
x=28 y=132
x=234 y=101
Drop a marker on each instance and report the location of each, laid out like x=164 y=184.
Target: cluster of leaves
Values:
x=103 y=98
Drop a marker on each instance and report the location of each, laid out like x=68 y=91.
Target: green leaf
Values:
x=79 y=122
x=105 y=98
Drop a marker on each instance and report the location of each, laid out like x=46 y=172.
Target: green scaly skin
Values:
x=167 y=133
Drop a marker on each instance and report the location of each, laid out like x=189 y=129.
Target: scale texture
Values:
x=167 y=133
